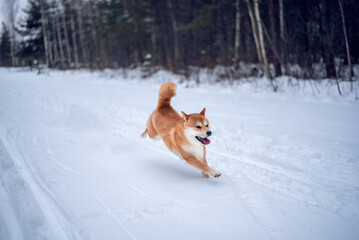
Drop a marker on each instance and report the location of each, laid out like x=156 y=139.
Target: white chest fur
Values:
x=195 y=147
x=195 y=150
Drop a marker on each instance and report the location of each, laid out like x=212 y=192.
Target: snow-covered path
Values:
x=72 y=164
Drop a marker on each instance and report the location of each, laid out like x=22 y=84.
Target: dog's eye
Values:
x=198 y=127
x=207 y=125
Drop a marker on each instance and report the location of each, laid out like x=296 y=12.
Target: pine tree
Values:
x=5 y=47
x=32 y=44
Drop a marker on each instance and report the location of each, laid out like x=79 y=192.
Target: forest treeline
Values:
x=275 y=35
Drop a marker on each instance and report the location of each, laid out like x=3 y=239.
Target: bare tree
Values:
x=54 y=45
x=51 y=53
x=281 y=19
x=175 y=33
x=236 y=40
x=59 y=35
x=327 y=38
x=282 y=36
x=67 y=41
x=44 y=32
x=12 y=23
x=103 y=52
x=261 y=40
x=82 y=33
x=74 y=40
x=154 y=42
x=93 y=31
x=255 y=34
x=275 y=41
x=346 y=41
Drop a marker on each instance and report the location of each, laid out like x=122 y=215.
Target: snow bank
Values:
x=325 y=89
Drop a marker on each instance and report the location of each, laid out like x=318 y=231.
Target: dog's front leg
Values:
x=205 y=175
x=193 y=161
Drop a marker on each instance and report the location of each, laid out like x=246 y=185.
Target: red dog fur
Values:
x=185 y=136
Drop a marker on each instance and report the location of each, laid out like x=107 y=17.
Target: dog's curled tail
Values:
x=167 y=91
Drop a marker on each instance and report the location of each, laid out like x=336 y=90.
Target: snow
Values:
x=73 y=164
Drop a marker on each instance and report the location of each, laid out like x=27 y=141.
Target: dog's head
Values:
x=197 y=127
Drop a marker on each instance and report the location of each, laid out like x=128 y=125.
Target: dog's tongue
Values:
x=205 y=140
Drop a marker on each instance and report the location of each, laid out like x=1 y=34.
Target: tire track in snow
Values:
x=135 y=189
x=114 y=216
x=140 y=191
x=101 y=201
x=34 y=191
x=262 y=165
x=49 y=207
x=52 y=204
x=303 y=192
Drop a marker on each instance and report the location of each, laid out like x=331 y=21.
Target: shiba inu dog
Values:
x=186 y=136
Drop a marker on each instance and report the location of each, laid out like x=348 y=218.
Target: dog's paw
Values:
x=215 y=173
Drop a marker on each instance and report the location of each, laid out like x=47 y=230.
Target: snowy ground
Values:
x=73 y=166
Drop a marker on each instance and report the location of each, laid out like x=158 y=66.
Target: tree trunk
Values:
x=237 y=40
x=82 y=34
x=281 y=19
x=283 y=43
x=103 y=53
x=67 y=41
x=12 y=22
x=154 y=44
x=326 y=40
x=93 y=34
x=255 y=34
x=55 y=45
x=224 y=36
x=346 y=41
x=175 y=33
x=74 y=40
x=59 y=35
x=274 y=33
x=167 y=49
x=44 y=32
x=261 y=40
x=51 y=53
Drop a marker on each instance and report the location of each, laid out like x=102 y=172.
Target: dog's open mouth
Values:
x=204 y=141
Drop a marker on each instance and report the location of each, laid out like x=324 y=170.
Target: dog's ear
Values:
x=185 y=116
x=203 y=111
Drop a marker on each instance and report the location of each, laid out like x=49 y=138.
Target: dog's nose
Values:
x=209 y=133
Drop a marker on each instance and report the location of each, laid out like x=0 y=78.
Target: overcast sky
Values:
x=4 y=10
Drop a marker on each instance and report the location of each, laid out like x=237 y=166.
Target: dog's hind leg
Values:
x=150 y=131
x=151 y=134
x=144 y=134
